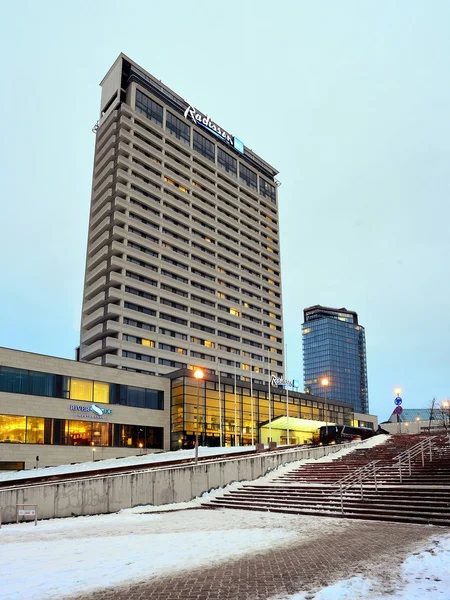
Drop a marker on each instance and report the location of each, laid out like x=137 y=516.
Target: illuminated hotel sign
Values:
x=98 y=412
x=204 y=121
x=279 y=382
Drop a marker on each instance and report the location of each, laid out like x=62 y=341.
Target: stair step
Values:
x=347 y=515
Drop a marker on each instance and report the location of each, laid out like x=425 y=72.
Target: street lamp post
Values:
x=325 y=382
x=93 y=451
x=198 y=374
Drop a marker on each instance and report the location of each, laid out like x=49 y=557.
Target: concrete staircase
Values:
x=313 y=489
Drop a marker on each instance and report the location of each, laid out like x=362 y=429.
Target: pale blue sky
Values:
x=349 y=100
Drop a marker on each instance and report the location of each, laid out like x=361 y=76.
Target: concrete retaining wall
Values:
x=161 y=486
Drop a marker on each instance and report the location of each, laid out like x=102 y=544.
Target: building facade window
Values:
x=178 y=128
x=247 y=176
x=149 y=108
x=204 y=146
x=229 y=163
x=267 y=190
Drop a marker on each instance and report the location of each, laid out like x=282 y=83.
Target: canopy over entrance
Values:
x=300 y=430
x=294 y=424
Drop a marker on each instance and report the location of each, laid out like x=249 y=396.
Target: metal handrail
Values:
x=407 y=455
x=357 y=477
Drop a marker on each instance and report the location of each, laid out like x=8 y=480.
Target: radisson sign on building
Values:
x=205 y=121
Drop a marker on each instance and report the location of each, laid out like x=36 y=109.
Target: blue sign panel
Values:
x=398 y=401
x=238 y=145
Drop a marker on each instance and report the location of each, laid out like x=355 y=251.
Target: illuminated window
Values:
x=35 y=430
x=149 y=343
x=207 y=239
x=273 y=338
x=272 y=349
x=181 y=351
x=271 y=281
x=81 y=389
x=101 y=392
x=257 y=369
x=209 y=344
x=245 y=304
x=221 y=295
x=12 y=429
x=245 y=367
x=234 y=312
x=271 y=314
x=269 y=248
x=272 y=326
x=271 y=304
x=270 y=270
x=183 y=189
x=169 y=181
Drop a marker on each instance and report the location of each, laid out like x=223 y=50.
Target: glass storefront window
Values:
x=35 y=430
x=101 y=434
x=81 y=389
x=78 y=433
x=101 y=392
x=12 y=429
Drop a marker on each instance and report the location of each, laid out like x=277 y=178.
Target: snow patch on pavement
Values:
x=423 y=576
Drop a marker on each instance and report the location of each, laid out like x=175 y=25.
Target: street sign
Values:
x=26 y=510
x=30 y=512
x=398 y=410
x=398 y=401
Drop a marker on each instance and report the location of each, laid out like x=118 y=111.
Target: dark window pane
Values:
x=13 y=380
x=204 y=146
x=154 y=399
x=267 y=190
x=147 y=107
x=136 y=397
x=226 y=161
x=154 y=437
x=41 y=384
x=178 y=128
x=248 y=176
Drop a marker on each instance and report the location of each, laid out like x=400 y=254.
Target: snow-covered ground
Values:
x=75 y=555
x=65 y=556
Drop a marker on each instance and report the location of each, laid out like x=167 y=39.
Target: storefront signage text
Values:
x=98 y=412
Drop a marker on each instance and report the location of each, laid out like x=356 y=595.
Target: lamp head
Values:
x=198 y=374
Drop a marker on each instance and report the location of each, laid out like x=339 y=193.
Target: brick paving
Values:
x=371 y=549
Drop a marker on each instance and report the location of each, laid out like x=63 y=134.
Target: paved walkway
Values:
x=370 y=549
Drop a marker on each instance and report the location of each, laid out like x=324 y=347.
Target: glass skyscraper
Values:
x=334 y=348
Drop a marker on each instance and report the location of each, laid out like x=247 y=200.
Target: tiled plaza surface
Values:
x=370 y=549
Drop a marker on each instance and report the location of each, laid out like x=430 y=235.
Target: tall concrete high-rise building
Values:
x=334 y=353
x=183 y=257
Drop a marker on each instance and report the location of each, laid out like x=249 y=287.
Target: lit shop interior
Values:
x=89 y=430
x=240 y=414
